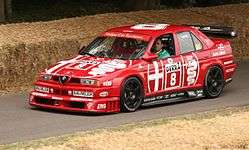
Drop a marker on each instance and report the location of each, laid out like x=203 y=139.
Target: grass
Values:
x=218 y=129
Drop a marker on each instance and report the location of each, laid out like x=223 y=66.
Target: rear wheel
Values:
x=214 y=82
x=131 y=95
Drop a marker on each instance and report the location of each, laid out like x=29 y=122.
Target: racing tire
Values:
x=214 y=82
x=131 y=95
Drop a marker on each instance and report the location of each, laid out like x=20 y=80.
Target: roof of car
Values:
x=145 y=30
x=148 y=29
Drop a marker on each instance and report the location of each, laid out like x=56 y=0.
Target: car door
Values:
x=189 y=44
x=165 y=74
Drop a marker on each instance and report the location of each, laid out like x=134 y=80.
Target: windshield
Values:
x=116 y=47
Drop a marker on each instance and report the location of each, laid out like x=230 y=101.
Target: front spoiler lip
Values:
x=69 y=109
x=72 y=99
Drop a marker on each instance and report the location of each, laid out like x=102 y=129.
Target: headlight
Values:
x=46 y=77
x=83 y=93
x=89 y=82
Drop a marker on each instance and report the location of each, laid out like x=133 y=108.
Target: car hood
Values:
x=87 y=66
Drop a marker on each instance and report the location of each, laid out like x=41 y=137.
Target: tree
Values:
x=140 y=4
x=2 y=11
x=8 y=8
x=5 y=10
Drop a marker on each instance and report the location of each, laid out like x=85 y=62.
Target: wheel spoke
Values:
x=215 y=81
x=216 y=74
x=132 y=94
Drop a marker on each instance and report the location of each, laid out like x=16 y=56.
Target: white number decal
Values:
x=173 y=79
x=149 y=26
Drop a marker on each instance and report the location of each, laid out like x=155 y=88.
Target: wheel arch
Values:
x=135 y=76
x=208 y=66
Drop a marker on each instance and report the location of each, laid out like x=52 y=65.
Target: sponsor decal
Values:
x=228 y=62
x=191 y=70
x=103 y=94
x=57 y=98
x=39 y=94
x=192 y=66
x=107 y=67
x=127 y=35
x=79 y=99
x=218 y=53
x=156 y=77
x=230 y=70
x=61 y=65
x=101 y=106
x=150 y=26
x=74 y=63
x=229 y=79
x=195 y=93
x=167 y=97
x=173 y=73
x=107 y=83
x=163 y=97
x=221 y=47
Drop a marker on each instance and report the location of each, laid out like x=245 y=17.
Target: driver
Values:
x=159 y=49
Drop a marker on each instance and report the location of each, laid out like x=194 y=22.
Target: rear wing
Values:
x=227 y=32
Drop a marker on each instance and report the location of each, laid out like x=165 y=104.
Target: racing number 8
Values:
x=173 y=79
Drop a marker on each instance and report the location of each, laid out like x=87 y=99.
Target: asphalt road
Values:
x=18 y=122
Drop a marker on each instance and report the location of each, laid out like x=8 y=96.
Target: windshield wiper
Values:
x=86 y=53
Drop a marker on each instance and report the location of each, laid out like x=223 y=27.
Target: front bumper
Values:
x=74 y=104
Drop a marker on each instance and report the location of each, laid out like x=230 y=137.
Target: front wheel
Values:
x=131 y=95
x=214 y=82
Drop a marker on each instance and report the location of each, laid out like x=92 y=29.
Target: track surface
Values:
x=18 y=122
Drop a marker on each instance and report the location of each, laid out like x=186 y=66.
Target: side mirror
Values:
x=82 y=49
x=150 y=57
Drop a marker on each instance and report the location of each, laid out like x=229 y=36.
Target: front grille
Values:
x=51 y=102
x=60 y=92
x=72 y=80
x=55 y=78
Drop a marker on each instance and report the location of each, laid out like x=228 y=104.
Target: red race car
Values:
x=144 y=64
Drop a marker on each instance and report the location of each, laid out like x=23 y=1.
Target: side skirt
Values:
x=173 y=97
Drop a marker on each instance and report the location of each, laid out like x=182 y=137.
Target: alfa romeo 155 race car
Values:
x=124 y=69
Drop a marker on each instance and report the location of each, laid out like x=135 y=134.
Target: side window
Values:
x=197 y=42
x=185 y=42
x=164 y=46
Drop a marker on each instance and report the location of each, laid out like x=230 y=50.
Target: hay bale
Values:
x=20 y=63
